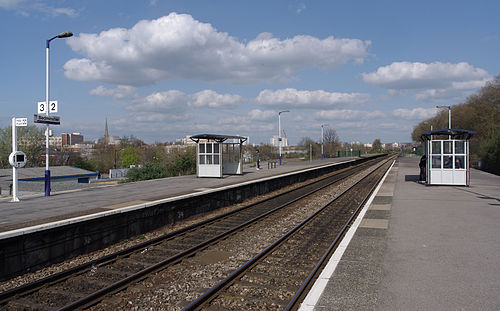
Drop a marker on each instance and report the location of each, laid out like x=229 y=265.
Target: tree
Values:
x=103 y=158
x=479 y=113
x=331 y=142
x=305 y=142
x=268 y=152
x=130 y=156
x=30 y=140
x=78 y=161
x=377 y=145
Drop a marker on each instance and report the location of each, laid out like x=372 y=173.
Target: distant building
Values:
x=188 y=141
x=71 y=139
x=275 y=141
x=107 y=139
x=55 y=141
x=85 y=149
x=114 y=140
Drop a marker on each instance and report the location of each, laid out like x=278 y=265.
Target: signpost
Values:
x=43 y=117
x=54 y=120
x=16 y=158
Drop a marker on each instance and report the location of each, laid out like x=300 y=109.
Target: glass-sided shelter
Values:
x=217 y=155
x=447 y=157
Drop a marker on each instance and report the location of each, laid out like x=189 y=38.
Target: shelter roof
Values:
x=454 y=133
x=217 y=137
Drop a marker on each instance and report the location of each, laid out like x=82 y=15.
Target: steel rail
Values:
x=61 y=276
x=314 y=273
x=95 y=297
x=211 y=293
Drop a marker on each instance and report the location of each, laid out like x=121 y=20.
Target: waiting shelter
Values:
x=217 y=155
x=447 y=155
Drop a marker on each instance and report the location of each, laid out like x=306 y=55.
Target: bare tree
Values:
x=331 y=142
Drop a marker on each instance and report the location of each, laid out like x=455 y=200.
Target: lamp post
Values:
x=449 y=117
x=47 y=171
x=322 y=139
x=279 y=130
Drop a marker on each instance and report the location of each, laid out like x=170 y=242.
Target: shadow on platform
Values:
x=413 y=178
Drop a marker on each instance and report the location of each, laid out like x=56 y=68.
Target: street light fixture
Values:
x=322 y=139
x=279 y=130
x=65 y=34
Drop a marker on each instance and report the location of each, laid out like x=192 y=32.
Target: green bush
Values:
x=150 y=170
x=182 y=165
x=490 y=155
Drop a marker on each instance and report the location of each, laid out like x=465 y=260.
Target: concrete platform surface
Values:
x=37 y=209
x=420 y=248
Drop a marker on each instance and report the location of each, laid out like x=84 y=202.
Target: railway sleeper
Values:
x=179 y=246
x=151 y=259
x=268 y=280
x=83 y=284
x=54 y=297
x=251 y=298
x=108 y=273
x=27 y=305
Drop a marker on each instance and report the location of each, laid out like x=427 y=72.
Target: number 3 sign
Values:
x=42 y=107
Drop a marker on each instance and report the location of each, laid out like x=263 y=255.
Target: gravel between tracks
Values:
x=56 y=268
x=173 y=288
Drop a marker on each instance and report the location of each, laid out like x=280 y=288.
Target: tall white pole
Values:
x=14 y=169
x=47 y=171
x=449 y=120
x=66 y=34
x=279 y=133
x=279 y=130
x=449 y=117
x=322 y=139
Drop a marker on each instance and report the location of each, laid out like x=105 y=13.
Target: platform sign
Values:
x=54 y=120
x=42 y=106
x=21 y=121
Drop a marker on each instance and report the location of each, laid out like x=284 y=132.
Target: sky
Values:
x=161 y=70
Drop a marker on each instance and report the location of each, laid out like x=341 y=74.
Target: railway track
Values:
x=278 y=277
x=86 y=285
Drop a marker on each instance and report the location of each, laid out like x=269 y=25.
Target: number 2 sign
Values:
x=42 y=107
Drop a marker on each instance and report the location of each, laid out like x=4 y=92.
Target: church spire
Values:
x=106 y=133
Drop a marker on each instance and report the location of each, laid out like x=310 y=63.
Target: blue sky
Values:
x=161 y=70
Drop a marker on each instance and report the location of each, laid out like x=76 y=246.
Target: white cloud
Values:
x=178 y=46
x=152 y=118
x=300 y=8
x=211 y=99
x=352 y=125
x=259 y=115
x=429 y=81
x=168 y=101
x=61 y=11
x=415 y=114
x=10 y=4
x=310 y=99
x=120 y=92
x=346 y=114
x=26 y=7
x=174 y=100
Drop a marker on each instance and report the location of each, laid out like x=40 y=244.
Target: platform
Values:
x=418 y=248
x=35 y=209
